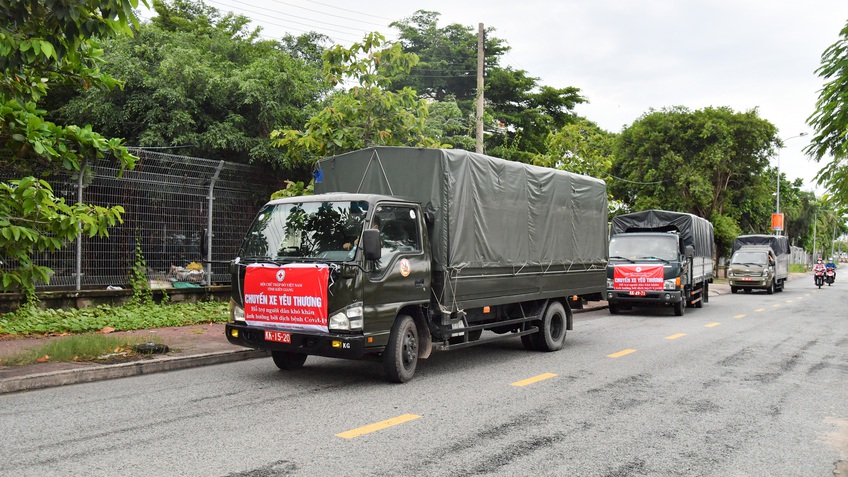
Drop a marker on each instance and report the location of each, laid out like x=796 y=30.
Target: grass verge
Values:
x=36 y=321
x=83 y=347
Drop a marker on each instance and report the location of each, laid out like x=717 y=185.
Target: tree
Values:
x=581 y=147
x=368 y=114
x=44 y=44
x=830 y=119
x=519 y=112
x=708 y=162
x=204 y=83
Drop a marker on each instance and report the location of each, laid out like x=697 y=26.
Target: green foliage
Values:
x=797 y=268
x=45 y=44
x=520 y=112
x=142 y=294
x=367 y=114
x=33 y=220
x=581 y=147
x=830 y=119
x=36 y=321
x=204 y=82
x=708 y=162
x=294 y=189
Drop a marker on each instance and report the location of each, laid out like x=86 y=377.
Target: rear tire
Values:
x=401 y=355
x=552 y=330
x=706 y=296
x=288 y=361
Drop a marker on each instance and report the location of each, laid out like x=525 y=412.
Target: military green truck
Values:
x=759 y=262
x=403 y=251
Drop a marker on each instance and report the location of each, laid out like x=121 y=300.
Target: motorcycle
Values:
x=829 y=276
x=819 y=278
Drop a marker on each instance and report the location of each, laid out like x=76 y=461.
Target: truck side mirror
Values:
x=689 y=251
x=371 y=244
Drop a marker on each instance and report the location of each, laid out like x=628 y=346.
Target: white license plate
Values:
x=637 y=293
x=278 y=336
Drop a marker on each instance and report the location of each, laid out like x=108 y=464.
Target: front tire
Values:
x=680 y=308
x=288 y=361
x=401 y=355
x=770 y=289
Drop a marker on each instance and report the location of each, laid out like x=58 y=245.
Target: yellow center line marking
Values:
x=806 y=294
x=534 y=379
x=776 y=305
x=788 y=301
x=674 y=337
x=711 y=325
x=621 y=353
x=760 y=309
x=359 y=431
x=739 y=316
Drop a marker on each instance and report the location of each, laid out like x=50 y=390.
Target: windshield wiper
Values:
x=651 y=257
x=616 y=257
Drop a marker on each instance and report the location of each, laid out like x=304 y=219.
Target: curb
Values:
x=123 y=370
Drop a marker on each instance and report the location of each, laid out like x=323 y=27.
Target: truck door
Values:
x=402 y=275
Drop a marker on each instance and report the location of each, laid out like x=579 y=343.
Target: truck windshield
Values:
x=644 y=247
x=749 y=258
x=325 y=231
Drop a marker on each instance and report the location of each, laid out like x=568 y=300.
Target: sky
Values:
x=627 y=57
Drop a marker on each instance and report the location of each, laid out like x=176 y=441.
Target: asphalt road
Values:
x=749 y=385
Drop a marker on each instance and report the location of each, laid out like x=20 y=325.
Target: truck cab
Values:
x=647 y=268
x=302 y=283
x=753 y=268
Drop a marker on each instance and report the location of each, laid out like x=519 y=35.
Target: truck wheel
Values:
x=706 y=297
x=733 y=290
x=770 y=289
x=679 y=308
x=613 y=309
x=401 y=355
x=288 y=361
x=551 y=335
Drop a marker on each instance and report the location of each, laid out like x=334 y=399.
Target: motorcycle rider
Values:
x=830 y=265
x=818 y=268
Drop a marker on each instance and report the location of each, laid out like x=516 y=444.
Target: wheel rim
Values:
x=557 y=327
x=410 y=349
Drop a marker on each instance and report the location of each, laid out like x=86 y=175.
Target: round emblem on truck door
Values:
x=405 y=267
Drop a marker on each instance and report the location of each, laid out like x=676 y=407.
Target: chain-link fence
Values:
x=167 y=199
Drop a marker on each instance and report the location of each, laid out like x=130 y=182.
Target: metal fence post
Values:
x=79 y=231
x=211 y=199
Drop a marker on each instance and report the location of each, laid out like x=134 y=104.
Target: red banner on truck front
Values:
x=638 y=277
x=289 y=297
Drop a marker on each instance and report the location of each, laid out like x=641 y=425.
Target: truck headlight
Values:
x=729 y=273
x=236 y=311
x=348 y=319
x=765 y=272
x=671 y=283
x=609 y=283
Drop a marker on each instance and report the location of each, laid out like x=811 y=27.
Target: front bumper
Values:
x=749 y=282
x=658 y=297
x=311 y=343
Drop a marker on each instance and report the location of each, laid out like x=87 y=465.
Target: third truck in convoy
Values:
x=759 y=262
x=659 y=257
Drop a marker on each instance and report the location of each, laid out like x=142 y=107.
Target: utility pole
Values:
x=480 y=58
